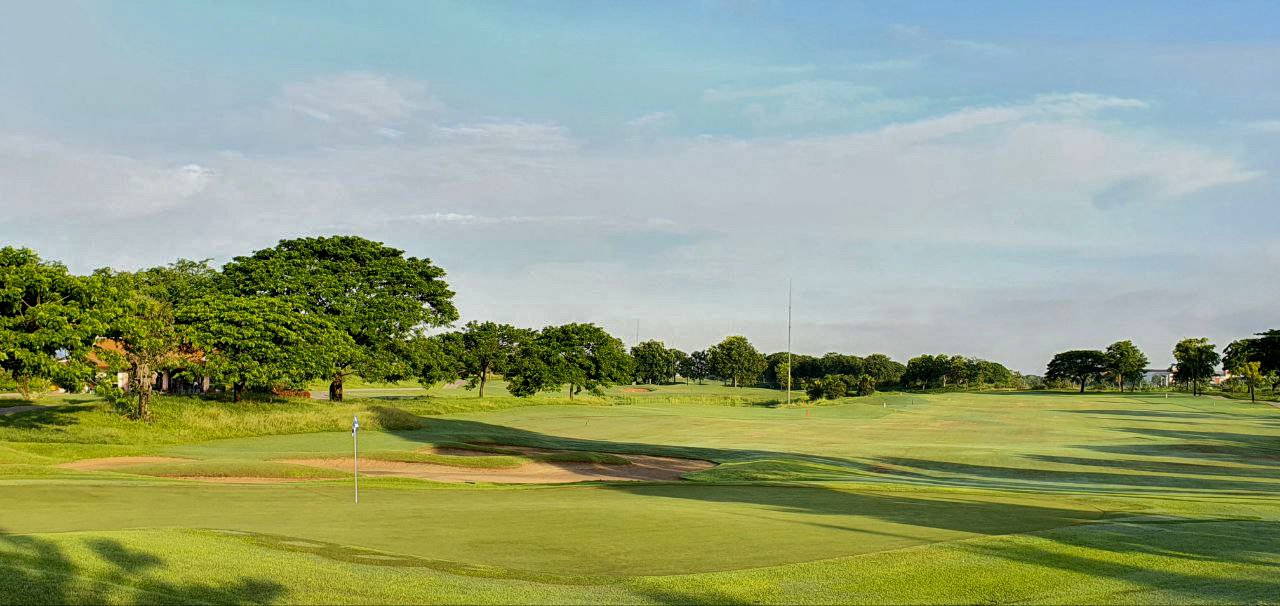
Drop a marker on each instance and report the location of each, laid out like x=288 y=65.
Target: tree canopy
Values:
x=49 y=320
x=483 y=348
x=1077 y=365
x=260 y=342
x=736 y=361
x=582 y=356
x=1125 y=362
x=1196 y=359
x=654 y=363
x=370 y=291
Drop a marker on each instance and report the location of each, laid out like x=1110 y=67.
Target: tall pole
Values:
x=788 y=341
x=355 y=452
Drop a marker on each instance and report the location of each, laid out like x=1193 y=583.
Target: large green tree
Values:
x=483 y=348
x=49 y=320
x=1251 y=374
x=372 y=292
x=1125 y=362
x=260 y=342
x=736 y=361
x=1077 y=365
x=655 y=364
x=582 y=356
x=883 y=369
x=1263 y=349
x=697 y=366
x=1196 y=359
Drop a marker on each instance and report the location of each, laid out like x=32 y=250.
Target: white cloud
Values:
x=525 y=207
x=358 y=96
x=810 y=102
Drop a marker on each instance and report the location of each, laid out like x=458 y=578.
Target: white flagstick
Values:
x=355 y=449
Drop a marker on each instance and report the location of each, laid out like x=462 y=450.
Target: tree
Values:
x=736 y=361
x=143 y=333
x=697 y=366
x=370 y=291
x=583 y=356
x=258 y=342
x=677 y=362
x=1196 y=359
x=1251 y=374
x=1079 y=365
x=49 y=320
x=1264 y=349
x=483 y=348
x=1125 y=362
x=866 y=385
x=926 y=371
x=882 y=369
x=655 y=364
x=840 y=364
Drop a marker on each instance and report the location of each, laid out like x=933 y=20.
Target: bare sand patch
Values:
x=642 y=468
x=635 y=390
x=113 y=462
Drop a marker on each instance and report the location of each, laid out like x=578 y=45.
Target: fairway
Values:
x=895 y=498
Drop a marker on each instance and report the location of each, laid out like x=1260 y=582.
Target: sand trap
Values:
x=642 y=468
x=113 y=462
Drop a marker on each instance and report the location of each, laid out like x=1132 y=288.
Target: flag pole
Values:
x=355 y=451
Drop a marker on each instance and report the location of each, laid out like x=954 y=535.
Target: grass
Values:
x=1040 y=497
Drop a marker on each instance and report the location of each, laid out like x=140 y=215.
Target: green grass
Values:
x=1041 y=497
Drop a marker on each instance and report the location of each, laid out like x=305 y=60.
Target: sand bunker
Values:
x=642 y=468
x=114 y=462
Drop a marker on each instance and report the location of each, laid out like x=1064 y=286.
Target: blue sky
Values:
x=995 y=179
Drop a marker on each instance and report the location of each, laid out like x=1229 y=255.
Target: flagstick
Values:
x=355 y=451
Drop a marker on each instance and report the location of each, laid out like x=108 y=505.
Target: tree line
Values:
x=1252 y=362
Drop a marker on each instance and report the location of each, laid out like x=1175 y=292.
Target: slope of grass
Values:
x=1039 y=497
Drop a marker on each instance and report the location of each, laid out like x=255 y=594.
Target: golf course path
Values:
x=17 y=409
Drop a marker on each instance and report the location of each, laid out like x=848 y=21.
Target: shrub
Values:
x=866 y=385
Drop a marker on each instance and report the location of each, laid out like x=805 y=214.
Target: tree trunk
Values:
x=236 y=389
x=145 y=379
x=735 y=380
x=1083 y=380
x=571 y=391
x=335 y=388
x=484 y=376
x=1251 y=396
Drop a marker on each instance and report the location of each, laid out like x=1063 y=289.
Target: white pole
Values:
x=355 y=451
x=788 y=341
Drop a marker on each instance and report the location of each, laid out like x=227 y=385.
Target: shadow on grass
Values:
x=1165 y=558
x=43 y=417
x=38 y=571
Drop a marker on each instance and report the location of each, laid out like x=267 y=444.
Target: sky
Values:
x=1002 y=180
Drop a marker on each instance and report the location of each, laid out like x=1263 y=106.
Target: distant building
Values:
x=167 y=381
x=1158 y=377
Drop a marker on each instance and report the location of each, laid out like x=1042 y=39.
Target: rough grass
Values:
x=229 y=469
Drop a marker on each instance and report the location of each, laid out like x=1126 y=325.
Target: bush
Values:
x=866 y=385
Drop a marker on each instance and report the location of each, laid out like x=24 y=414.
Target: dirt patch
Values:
x=635 y=390
x=17 y=409
x=240 y=479
x=113 y=462
x=642 y=468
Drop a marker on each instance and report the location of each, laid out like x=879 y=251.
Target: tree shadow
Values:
x=37 y=571
x=43 y=417
x=1174 y=552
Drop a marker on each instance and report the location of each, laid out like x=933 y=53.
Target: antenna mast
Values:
x=788 y=341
